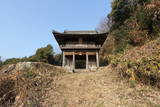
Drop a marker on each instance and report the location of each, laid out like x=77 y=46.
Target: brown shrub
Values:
x=26 y=86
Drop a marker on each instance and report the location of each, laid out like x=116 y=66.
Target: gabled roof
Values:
x=89 y=32
x=65 y=36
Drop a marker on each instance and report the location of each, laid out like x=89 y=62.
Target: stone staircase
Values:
x=85 y=70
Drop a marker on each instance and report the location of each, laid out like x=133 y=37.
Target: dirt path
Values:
x=103 y=88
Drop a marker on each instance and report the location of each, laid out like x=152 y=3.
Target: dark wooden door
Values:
x=80 y=61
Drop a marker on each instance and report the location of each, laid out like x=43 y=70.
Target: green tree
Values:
x=58 y=59
x=44 y=54
x=12 y=61
x=142 y=1
x=121 y=10
x=0 y=61
x=144 y=17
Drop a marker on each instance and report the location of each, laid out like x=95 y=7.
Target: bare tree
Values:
x=104 y=25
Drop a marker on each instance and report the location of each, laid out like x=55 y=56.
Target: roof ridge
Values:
x=80 y=32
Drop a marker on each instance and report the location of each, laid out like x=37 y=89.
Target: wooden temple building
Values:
x=80 y=48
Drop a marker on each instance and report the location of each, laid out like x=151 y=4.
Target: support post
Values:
x=97 y=59
x=73 y=60
x=63 y=63
x=87 y=66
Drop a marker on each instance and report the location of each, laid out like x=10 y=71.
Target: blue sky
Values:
x=26 y=25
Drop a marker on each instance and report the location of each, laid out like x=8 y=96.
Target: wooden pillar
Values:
x=63 y=63
x=73 y=60
x=87 y=66
x=97 y=59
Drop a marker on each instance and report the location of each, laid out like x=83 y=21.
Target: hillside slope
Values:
x=24 y=83
x=103 y=88
x=38 y=84
x=140 y=64
x=132 y=23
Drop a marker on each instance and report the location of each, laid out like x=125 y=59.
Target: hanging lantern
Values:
x=80 y=53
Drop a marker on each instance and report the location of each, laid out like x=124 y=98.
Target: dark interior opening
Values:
x=92 y=61
x=80 y=61
x=69 y=60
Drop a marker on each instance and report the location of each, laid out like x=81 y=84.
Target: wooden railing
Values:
x=80 y=46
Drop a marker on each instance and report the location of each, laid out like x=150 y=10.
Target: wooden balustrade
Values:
x=80 y=46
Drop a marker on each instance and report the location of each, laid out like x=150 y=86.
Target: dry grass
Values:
x=45 y=85
x=141 y=63
x=103 y=88
x=25 y=87
x=149 y=49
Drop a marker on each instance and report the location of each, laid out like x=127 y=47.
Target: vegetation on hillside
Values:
x=24 y=84
x=30 y=81
x=133 y=23
x=0 y=61
x=44 y=54
x=140 y=64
